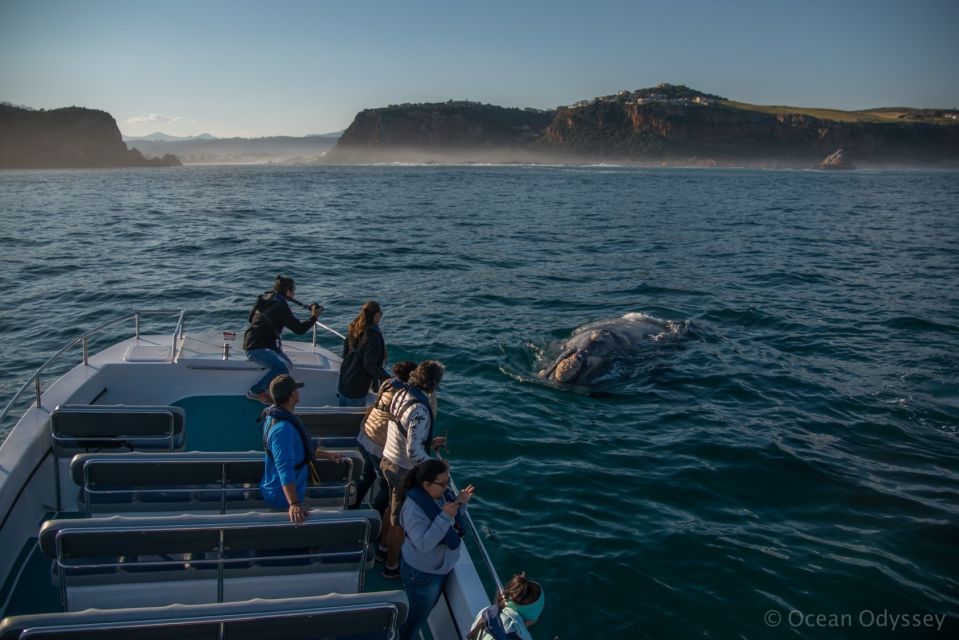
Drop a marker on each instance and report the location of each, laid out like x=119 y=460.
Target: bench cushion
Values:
x=367 y=615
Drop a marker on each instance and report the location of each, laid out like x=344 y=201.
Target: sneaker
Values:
x=391 y=574
x=263 y=397
x=380 y=556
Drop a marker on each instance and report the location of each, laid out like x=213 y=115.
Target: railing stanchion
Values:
x=314 y=335
x=136 y=325
x=35 y=378
x=177 y=332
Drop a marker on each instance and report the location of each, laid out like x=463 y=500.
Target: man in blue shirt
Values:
x=288 y=449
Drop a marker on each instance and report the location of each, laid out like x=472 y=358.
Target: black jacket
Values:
x=268 y=317
x=362 y=367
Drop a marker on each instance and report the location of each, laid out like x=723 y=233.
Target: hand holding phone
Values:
x=465 y=495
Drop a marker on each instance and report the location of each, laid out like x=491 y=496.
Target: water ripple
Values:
x=799 y=449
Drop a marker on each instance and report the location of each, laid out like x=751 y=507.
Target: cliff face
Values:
x=666 y=123
x=65 y=138
x=661 y=131
x=448 y=127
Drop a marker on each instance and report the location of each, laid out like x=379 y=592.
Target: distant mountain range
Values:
x=158 y=136
x=207 y=149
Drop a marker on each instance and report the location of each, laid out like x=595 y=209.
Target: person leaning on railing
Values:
x=262 y=342
x=372 y=439
x=364 y=354
x=518 y=606
x=432 y=518
x=409 y=439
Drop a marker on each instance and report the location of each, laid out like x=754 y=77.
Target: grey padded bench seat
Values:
x=333 y=426
x=134 y=427
x=194 y=559
x=197 y=481
x=373 y=616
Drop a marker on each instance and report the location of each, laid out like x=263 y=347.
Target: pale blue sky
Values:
x=297 y=67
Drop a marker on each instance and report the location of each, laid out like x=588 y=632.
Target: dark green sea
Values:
x=795 y=454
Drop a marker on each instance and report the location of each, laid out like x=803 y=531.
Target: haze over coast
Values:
x=665 y=125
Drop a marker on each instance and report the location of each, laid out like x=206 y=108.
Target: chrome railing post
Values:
x=314 y=335
x=35 y=378
x=176 y=334
x=136 y=325
x=86 y=351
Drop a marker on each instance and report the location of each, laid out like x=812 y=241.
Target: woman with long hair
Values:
x=431 y=518
x=364 y=354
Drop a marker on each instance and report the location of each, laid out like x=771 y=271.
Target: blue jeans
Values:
x=423 y=591
x=276 y=363
x=351 y=402
x=371 y=474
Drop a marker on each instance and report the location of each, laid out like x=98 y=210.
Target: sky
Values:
x=298 y=67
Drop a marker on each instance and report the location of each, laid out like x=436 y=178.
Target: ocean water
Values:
x=795 y=452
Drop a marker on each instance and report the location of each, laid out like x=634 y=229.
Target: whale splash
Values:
x=608 y=351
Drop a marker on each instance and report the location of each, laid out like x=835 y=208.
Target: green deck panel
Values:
x=222 y=423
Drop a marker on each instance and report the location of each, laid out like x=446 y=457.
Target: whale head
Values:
x=569 y=367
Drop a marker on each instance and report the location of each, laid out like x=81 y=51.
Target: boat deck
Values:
x=131 y=502
x=215 y=424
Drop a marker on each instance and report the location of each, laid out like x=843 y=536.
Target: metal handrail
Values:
x=35 y=378
x=333 y=331
x=479 y=542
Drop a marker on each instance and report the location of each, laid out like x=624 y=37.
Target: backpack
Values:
x=490 y=623
x=414 y=396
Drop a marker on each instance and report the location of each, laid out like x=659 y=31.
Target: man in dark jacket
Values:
x=262 y=342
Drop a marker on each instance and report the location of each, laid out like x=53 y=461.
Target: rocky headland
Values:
x=460 y=130
x=666 y=124
x=69 y=138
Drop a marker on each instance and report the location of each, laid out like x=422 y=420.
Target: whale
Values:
x=608 y=350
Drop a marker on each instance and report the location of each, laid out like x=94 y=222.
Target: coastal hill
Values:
x=662 y=124
x=458 y=128
x=72 y=137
